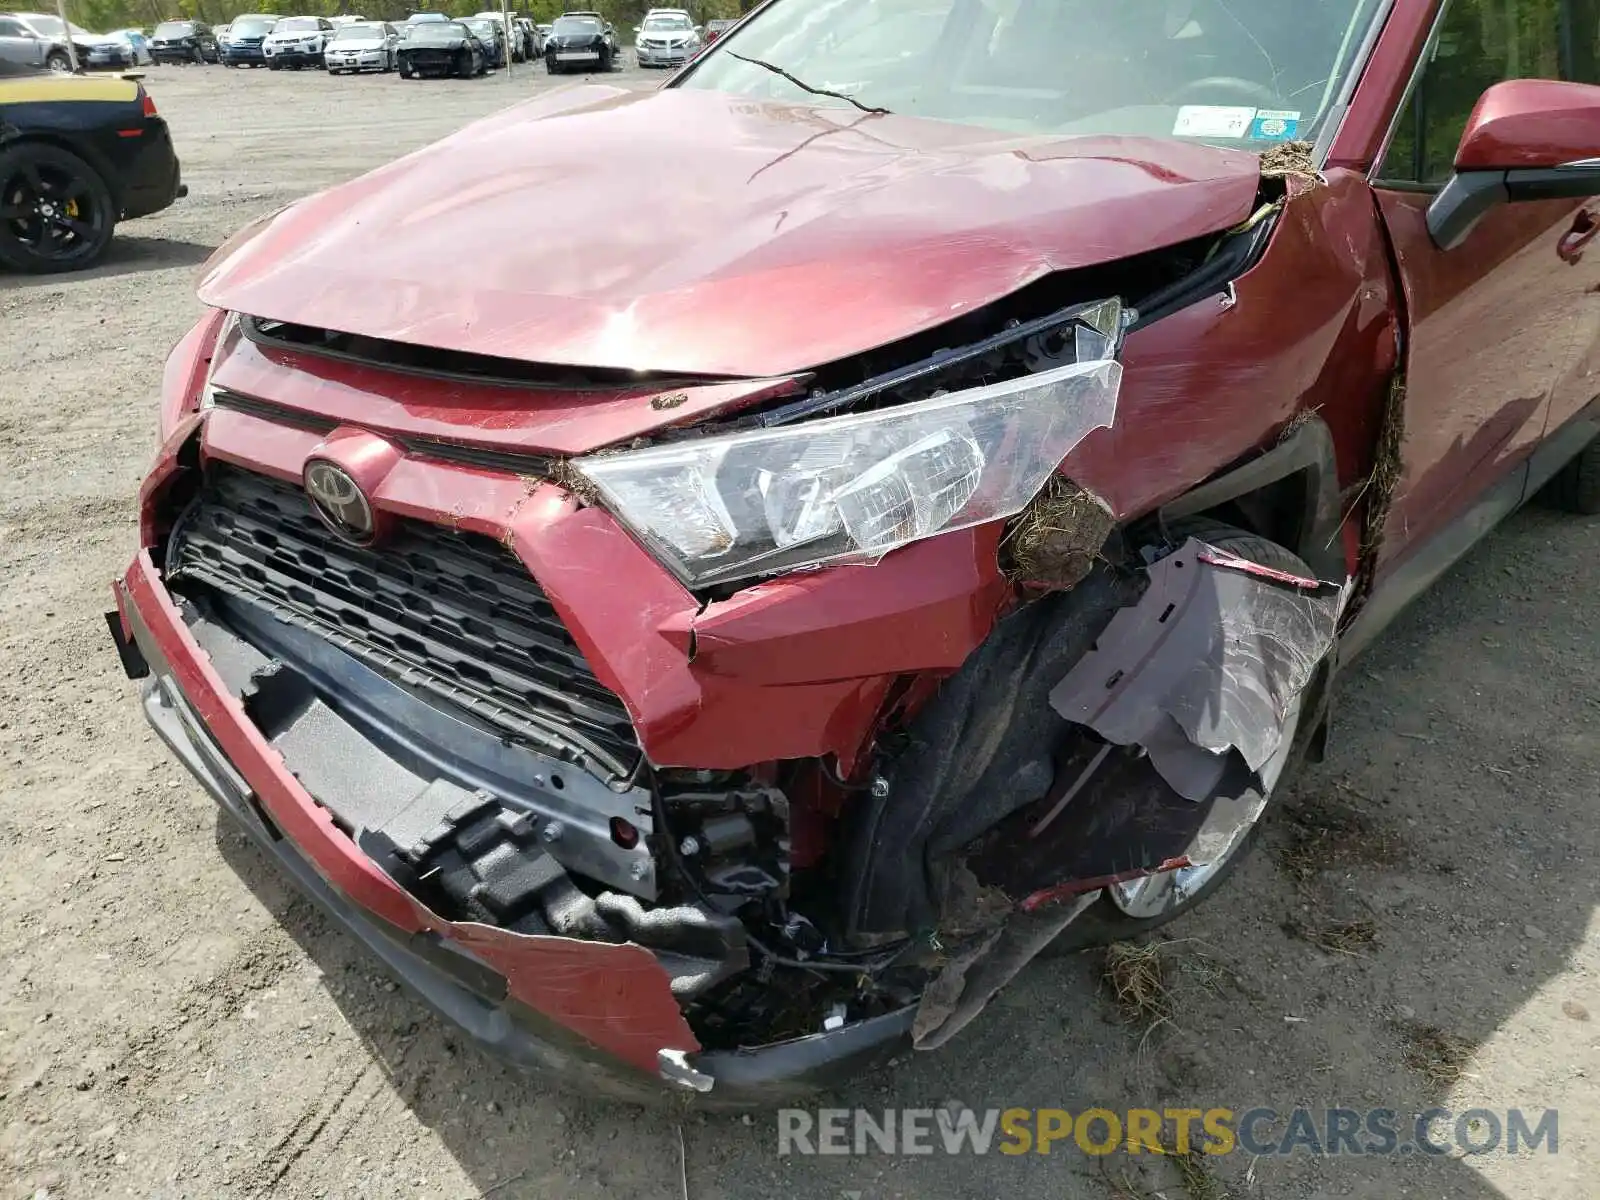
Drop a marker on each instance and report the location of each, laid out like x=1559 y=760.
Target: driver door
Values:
x=1502 y=324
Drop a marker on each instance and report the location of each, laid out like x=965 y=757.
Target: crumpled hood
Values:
x=700 y=233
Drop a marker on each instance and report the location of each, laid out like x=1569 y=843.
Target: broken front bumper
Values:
x=603 y=1016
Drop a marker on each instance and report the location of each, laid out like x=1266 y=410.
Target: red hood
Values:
x=694 y=232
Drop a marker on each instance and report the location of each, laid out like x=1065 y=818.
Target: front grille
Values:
x=453 y=614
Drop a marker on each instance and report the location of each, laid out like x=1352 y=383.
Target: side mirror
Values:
x=1527 y=139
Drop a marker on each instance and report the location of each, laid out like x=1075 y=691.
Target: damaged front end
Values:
x=626 y=763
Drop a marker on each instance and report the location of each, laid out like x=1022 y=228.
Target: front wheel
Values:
x=59 y=62
x=56 y=213
x=405 y=70
x=1126 y=910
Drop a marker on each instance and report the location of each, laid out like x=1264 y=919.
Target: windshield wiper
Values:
x=806 y=87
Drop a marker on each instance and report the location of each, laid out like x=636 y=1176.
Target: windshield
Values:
x=1224 y=71
x=174 y=29
x=484 y=29
x=667 y=25
x=436 y=31
x=357 y=33
x=252 y=26
x=576 y=25
x=296 y=25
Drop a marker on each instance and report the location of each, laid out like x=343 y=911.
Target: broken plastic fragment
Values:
x=1211 y=659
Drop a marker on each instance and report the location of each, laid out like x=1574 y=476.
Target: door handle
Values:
x=1584 y=228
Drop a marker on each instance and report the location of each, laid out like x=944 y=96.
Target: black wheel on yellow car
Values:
x=56 y=212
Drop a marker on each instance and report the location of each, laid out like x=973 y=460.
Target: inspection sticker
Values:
x=1213 y=121
x=1270 y=126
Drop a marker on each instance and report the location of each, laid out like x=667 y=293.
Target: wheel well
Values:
x=1289 y=495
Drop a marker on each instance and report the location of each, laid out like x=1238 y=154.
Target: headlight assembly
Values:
x=852 y=488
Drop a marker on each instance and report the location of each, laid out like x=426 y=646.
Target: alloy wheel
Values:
x=52 y=211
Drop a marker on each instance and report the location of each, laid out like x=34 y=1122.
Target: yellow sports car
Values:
x=77 y=155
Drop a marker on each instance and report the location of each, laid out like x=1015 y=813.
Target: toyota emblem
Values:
x=339 y=501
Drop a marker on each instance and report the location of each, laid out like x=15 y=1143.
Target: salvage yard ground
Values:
x=1417 y=928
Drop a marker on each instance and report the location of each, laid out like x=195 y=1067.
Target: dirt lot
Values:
x=175 y=1022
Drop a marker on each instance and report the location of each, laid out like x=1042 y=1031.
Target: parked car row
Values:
x=579 y=40
x=30 y=39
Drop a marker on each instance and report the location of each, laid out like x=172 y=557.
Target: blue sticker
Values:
x=1270 y=126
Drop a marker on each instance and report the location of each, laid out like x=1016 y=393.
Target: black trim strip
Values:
x=514 y=462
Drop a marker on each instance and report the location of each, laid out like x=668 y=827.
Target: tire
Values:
x=1576 y=487
x=58 y=62
x=1106 y=920
x=67 y=179
x=405 y=70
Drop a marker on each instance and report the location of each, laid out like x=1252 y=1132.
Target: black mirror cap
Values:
x=1464 y=200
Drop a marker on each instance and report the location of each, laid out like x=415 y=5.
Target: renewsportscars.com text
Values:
x=1215 y=1131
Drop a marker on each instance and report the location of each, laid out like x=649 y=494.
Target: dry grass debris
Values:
x=1137 y=978
x=1290 y=160
x=1055 y=540
x=1438 y=1056
x=1339 y=937
x=1325 y=834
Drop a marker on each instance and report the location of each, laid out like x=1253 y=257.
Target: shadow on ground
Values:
x=128 y=254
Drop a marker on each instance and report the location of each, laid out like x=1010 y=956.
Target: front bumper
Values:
x=294 y=58
x=662 y=57
x=601 y=1016
x=108 y=59
x=243 y=54
x=172 y=53
x=362 y=60
x=575 y=56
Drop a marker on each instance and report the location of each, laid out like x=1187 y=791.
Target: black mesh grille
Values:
x=452 y=613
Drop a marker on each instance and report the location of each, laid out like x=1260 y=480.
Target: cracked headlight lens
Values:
x=850 y=489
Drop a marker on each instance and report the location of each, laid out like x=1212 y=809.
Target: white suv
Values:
x=297 y=42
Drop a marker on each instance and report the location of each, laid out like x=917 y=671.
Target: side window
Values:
x=1479 y=43
x=10 y=29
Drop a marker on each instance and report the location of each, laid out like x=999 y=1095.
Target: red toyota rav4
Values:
x=928 y=528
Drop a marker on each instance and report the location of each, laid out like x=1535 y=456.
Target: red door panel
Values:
x=1497 y=327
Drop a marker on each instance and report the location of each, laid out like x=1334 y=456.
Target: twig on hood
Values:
x=806 y=87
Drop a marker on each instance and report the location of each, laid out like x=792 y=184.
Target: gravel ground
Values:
x=174 y=1021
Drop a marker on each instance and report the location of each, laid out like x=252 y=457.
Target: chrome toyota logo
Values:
x=339 y=501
